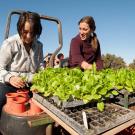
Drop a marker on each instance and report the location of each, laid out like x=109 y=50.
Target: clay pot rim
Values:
x=19 y=99
x=22 y=91
x=11 y=94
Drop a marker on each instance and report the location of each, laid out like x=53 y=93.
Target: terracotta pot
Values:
x=18 y=104
x=23 y=93
x=10 y=97
x=34 y=109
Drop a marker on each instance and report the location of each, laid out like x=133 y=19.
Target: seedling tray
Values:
x=98 y=122
x=125 y=98
x=66 y=104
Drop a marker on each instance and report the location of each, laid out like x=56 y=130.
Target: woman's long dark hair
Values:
x=90 y=21
x=33 y=19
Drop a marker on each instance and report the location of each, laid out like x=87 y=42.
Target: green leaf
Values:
x=93 y=91
x=87 y=98
x=129 y=83
x=114 y=92
x=103 y=91
x=96 y=96
x=129 y=89
x=119 y=87
x=108 y=95
x=100 y=106
x=94 y=68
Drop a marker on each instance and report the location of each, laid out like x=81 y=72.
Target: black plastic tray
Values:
x=125 y=98
x=98 y=122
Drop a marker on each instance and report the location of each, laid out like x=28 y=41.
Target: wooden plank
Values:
x=41 y=119
x=120 y=128
x=55 y=118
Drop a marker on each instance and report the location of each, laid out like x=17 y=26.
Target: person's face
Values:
x=62 y=57
x=27 y=35
x=84 y=31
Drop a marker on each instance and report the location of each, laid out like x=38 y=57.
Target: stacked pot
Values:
x=19 y=103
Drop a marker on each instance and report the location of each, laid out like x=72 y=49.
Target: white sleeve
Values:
x=5 y=58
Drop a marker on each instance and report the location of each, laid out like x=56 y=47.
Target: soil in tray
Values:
x=107 y=114
x=94 y=123
x=50 y=100
x=67 y=111
x=131 y=100
x=111 y=108
x=106 y=119
x=74 y=110
x=94 y=117
x=76 y=118
x=100 y=115
x=80 y=122
x=102 y=123
x=132 y=107
x=124 y=112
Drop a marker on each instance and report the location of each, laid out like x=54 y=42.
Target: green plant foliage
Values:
x=89 y=86
x=100 y=106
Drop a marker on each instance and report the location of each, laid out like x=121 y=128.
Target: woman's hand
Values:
x=86 y=65
x=17 y=82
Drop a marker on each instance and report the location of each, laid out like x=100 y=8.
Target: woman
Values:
x=21 y=55
x=85 y=47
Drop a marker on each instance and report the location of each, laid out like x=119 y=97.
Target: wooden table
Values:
x=120 y=128
x=73 y=132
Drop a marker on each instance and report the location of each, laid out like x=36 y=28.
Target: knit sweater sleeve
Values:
x=75 y=56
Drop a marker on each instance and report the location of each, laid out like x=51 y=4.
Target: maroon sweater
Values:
x=83 y=51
